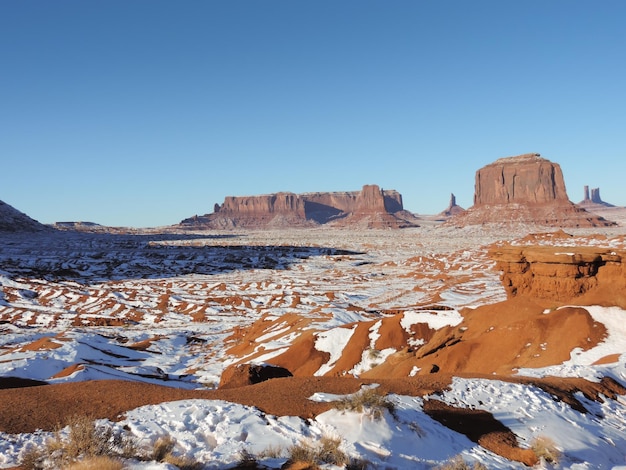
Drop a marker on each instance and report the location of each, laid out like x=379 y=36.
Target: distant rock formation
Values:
x=371 y=207
x=452 y=209
x=12 y=220
x=524 y=189
x=594 y=201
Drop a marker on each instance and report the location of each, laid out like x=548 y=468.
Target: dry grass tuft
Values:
x=324 y=451
x=545 y=448
x=84 y=441
x=457 y=463
x=97 y=463
x=367 y=400
x=89 y=446
x=163 y=451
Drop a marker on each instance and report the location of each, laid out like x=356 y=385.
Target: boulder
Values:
x=240 y=375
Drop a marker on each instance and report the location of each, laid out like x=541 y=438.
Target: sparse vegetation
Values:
x=90 y=446
x=324 y=451
x=271 y=452
x=545 y=448
x=97 y=463
x=84 y=441
x=458 y=463
x=367 y=400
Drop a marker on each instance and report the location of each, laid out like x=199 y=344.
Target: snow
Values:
x=126 y=277
x=333 y=342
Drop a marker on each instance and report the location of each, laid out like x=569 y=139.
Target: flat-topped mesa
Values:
x=308 y=209
x=525 y=189
x=279 y=203
x=526 y=179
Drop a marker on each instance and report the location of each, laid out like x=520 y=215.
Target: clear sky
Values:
x=145 y=112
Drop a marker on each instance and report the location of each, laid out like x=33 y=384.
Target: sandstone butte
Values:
x=371 y=207
x=524 y=189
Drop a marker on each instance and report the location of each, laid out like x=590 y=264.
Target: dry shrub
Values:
x=271 y=452
x=457 y=463
x=367 y=400
x=163 y=451
x=84 y=440
x=161 y=448
x=545 y=448
x=324 y=451
x=97 y=463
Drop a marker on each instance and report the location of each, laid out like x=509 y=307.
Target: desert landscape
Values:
x=322 y=330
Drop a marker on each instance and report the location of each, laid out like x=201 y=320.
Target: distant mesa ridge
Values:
x=525 y=189
x=370 y=207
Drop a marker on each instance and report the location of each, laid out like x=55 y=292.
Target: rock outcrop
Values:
x=594 y=201
x=372 y=207
x=582 y=275
x=240 y=375
x=452 y=209
x=525 y=189
x=12 y=220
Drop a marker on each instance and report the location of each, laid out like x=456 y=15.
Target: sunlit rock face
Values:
x=526 y=189
x=372 y=207
x=563 y=274
x=525 y=179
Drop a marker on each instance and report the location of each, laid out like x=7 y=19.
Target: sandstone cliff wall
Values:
x=526 y=189
x=289 y=209
x=527 y=179
x=583 y=275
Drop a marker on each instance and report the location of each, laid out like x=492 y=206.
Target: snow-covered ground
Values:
x=163 y=309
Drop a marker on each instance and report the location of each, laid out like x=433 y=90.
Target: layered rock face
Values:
x=523 y=179
x=372 y=204
x=563 y=274
x=525 y=189
x=12 y=220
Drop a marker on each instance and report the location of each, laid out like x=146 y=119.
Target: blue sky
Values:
x=142 y=113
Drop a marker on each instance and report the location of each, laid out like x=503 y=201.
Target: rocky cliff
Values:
x=12 y=220
x=584 y=275
x=525 y=179
x=370 y=207
x=525 y=189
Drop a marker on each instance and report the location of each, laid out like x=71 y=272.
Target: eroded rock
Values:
x=563 y=274
x=525 y=189
x=240 y=375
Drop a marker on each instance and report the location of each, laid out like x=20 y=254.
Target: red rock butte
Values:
x=525 y=189
x=371 y=207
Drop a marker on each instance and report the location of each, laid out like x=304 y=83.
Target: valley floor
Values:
x=136 y=330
